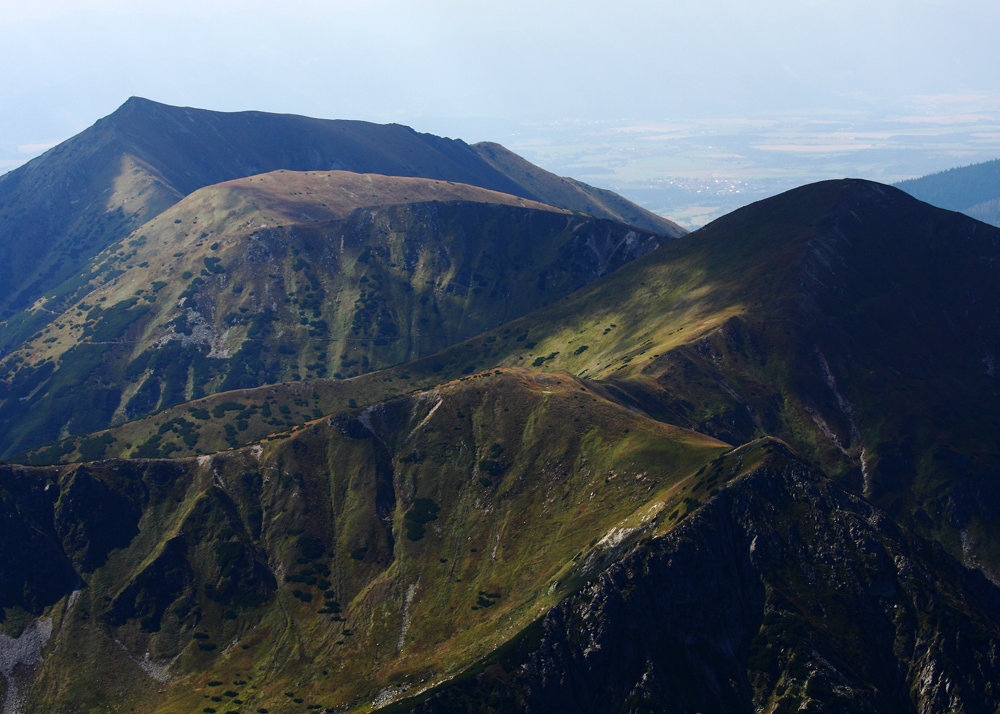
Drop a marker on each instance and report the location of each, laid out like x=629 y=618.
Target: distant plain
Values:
x=693 y=172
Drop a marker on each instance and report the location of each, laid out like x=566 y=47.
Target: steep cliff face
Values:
x=785 y=593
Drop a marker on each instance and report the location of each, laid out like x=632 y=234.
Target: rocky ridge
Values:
x=783 y=593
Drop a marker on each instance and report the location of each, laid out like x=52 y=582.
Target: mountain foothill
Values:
x=304 y=415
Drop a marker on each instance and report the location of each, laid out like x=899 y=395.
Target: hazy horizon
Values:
x=648 y=99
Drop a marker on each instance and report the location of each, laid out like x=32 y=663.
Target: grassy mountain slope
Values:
x=374 y=551
x=784 y=593
x=570 y=193
x=477 y=546
x=294 y=275
x=60 y=210
x=974 y=190
x=846 y=318
x=93 y=189
x=551 y=533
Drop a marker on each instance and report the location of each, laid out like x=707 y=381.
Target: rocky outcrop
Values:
x=785 y=593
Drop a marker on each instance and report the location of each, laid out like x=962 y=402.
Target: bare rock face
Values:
x=783 y=594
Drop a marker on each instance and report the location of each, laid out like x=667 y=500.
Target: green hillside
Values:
x=845 y=318
x=290 y=276
x=740 y=472
x=784 y=593
x=377 y=549
x=459 y=548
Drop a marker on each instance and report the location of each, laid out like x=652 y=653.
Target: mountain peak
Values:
x=141 y=108
x=101 y=184
x=134 y=102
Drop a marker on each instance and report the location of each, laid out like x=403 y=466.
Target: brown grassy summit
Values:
x=294 y=197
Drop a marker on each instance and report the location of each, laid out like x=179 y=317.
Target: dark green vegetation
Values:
x=828 y=608
x=855 y=323
x=974 y=190
x=294 y=567
x=293 y=280
x=736 y=473
x=59 y=211
x=846 y=318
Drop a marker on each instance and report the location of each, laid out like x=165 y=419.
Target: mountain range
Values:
x=974 y=190
x=62 y=209
x=344 y=439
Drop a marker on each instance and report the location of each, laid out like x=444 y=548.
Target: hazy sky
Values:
x=477 y=68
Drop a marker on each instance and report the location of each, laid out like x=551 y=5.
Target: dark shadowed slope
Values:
x=192 y=148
